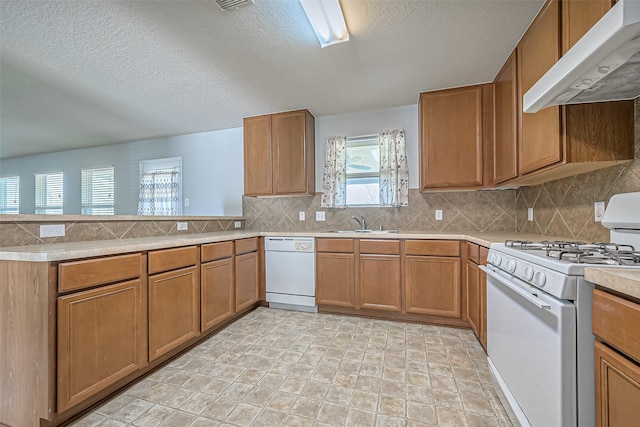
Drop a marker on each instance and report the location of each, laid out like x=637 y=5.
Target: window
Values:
x=97 y=191
x=160 y=187
x=363 y=171
x=49 y=193
x=10 y=195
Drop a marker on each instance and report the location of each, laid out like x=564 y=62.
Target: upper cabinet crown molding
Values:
x=279 y=154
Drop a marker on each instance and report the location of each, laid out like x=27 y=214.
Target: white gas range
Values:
x=539 y=339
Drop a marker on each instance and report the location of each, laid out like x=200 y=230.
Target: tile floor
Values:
x=282 y=368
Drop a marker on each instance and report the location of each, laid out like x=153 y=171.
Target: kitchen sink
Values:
x=365 y=231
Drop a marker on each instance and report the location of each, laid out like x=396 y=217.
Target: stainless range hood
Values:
x=604 y=65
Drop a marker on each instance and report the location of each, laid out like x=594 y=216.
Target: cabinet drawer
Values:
x=334 y=245
x=170 y=259
x=473 y=252
x=92 y=272
x=433 y=247
x=244 y=246
x=616 y=321
x=385 y=247
x=212 y=251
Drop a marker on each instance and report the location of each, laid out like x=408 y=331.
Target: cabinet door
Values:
x=102 y=338
x=433 y=286
x=217 y=292
x=379 y=282
x=335 y=279
x=174 y=310
x=471 y=278
x=540 y=137
x=257 y=156
x=617 y=389
x=483 y=308
x=289 y=152
x=246 y=280
x=451 y=135
x=505 y=142
x=578 y=16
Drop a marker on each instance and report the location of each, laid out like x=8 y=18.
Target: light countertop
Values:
x=66 y=251
x=623 y=280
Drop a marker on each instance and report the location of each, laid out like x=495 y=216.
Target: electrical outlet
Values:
x=181 y=226
x=319 y=215
x=438 y=214
x=237 y=224
x=186 y=201
x=530 y=214
x=301 y=216
x=598 y=209
x=53 y=230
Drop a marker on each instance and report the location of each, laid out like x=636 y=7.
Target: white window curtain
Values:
x=159 y=193
x=394 y=170
x=334 y=180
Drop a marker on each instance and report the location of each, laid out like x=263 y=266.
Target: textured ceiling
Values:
x=84 y=73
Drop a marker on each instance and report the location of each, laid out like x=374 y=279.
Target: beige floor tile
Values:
x=282 y=368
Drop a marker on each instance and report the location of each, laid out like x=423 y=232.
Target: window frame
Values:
x=44 y=209
x=7 y=208
x=87 y=207
x=362 y=141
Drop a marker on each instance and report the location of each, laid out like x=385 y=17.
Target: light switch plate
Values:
x=438 y=214
x=181 y=226
x=52 y=230
x=301 y=216
x=529 y=214
x=598 y=209
x=237 y=224
x=186 y=201
x=319 y=215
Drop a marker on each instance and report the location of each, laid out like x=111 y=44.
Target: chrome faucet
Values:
x=361 y=222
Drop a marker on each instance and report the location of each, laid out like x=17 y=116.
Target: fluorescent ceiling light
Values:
x=327 y=21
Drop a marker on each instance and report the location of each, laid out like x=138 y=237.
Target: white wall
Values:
x=213 y=178
x=369 y=123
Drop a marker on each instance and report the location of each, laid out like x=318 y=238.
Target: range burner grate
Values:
x=581 y=252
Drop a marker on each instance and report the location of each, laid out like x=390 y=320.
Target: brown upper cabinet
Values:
x=561 y=141
x=279 y=154
x=456 y=128
x=505 y=141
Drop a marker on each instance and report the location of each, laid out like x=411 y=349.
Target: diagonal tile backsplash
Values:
x=462 y=211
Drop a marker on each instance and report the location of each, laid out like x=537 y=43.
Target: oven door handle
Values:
x=515 y=289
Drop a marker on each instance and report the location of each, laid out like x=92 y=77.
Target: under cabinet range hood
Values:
x=604 y=65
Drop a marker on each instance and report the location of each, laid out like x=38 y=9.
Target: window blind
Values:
x=49 y=193
x=98 y=191
x=10 y=195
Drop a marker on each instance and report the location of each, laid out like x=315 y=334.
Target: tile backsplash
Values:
x=21 y=233
x=462 y=211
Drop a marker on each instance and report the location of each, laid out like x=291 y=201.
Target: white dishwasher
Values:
x=291 y=273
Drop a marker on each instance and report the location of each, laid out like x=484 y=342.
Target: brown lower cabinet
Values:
x=335 y=279
x=379 y=278
x=617 y=360
x=102 y=338
x=433 y=286
x=475 y=288
x=217 y=285
x=174 y=310
x=246 y=273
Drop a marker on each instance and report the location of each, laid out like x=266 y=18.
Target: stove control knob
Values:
x=527 y=272
x=490 y=258
x=510 y=266
x=539 y=279
x=497 y=260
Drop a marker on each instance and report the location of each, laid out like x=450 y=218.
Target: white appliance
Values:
x=539 y=340
x=291 y=273
x=604 y=65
